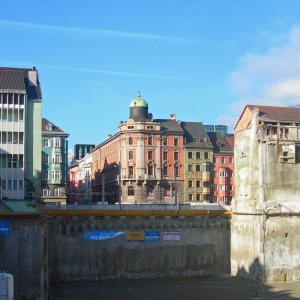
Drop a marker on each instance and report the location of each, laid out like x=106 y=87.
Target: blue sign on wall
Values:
x=4 y=228
x=152 y=236
x=101 y=236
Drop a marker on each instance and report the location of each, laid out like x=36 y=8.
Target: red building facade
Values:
x=223 y=165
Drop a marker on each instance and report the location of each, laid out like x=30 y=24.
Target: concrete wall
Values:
x=24 y=255
x=203 y=249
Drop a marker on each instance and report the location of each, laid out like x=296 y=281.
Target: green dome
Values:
x=138 y=102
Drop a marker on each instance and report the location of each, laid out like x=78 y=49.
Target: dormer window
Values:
x=49 y=127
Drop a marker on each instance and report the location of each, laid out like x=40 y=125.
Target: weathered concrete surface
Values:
x=266 y=210
x=24 y=255
x=204 y=248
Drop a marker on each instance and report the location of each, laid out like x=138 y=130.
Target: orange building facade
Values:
x=142 y=162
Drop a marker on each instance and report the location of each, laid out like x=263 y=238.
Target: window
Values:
x=20 y=184
x=216 y=174
x=21 y=164
x=21 y=115
x=150 y=155
x=4 y=138
x=190 y=197
x=150 y=140
x=9 y=137
x=49 y=127
x=130 y=155
x=45 y=143
x=297 y=157
x=22 y=99
x=198 y=184
x=223 y=161
x=9 y=184
x=4 y=114
x=165 y=170
x=15 y=184
x=130 y=141
x=57 y=143
x=56 y=159
x=198 y=198
x=150 y=170
x=190 y=183
x=175 y=142
x=190 y=155
x=206 y=197
x=206 y=183
x=230 y=160
x=198 y=169
x=21 y=137
x=56 y=174
x=57 y=191
x=45 y=175
x=190 y=168
x=45 y=158
x=198 y=155
x=176 y=156
x=46 y=192
x=165 y=155
x=15 y=137
x=130 y=191
x=130 y=171
x=206 y=156
x=206 y=168
x=3 y=184
x=165 y=141
x=14 y=160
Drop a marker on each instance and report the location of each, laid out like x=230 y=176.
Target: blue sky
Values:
x=202 y=60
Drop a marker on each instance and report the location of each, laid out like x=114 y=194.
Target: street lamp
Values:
x=119 y=184
x=175 y=182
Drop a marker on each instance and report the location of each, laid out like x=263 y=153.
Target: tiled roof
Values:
x=168 y=125
x=230 y=140
x=16 y=79
x=195 y=135
x=276 y=113
x=55 y=129
x=220 y=143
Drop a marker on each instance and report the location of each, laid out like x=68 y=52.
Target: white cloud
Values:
x=270 y=78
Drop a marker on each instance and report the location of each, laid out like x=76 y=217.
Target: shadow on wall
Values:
x=277 y=290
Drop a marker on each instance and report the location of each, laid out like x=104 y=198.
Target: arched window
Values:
x=130 y=191
x=130 y=141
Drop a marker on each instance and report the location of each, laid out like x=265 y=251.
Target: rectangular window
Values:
x=198 y=197
x=190 y=168
x=230 y=160
x=9 y=184
x=57 y=143
x=21 y=163
x=16 y=118
x=21 y=115
x=57 y=158
x=198 y=169
x=165 y=141
x=175 y=142
x=130 y=155
x=190 y=155
x=206 y=156
x=56 y=174
x=45 y=158
x=190 y=197
x=223 y=160
x=165 y=170
x=130 y=171
x=20 y=184
x=15 y=137
x=176 y=156
x=165 y=155
x=216 y=174
x=45 y=175
x=57 y=192
x=206 y=168
x=150 y=155
x=14 y=160
x=198 y=184
x=198 y=155
x=3 y=184
x=9 y=138
x=190 y=183
x=176 y=171
x=21 y=137
x=206 y=183
x=9 y=161
x=4 y=114
x=22 y=99
x=45 y=143
x=9 y=115
x=4 y=138
x=15 y=184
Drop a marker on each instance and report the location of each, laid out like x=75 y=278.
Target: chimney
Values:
x=33 y=77
x=172 y=117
